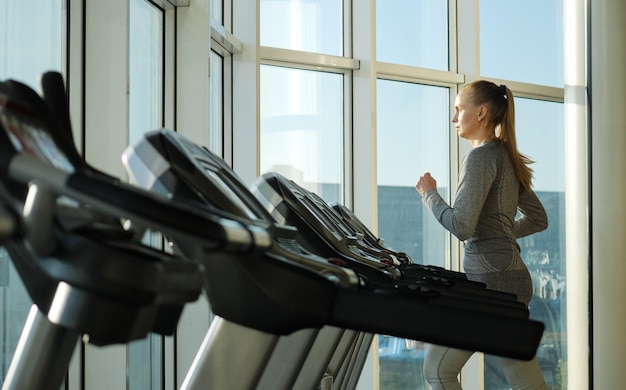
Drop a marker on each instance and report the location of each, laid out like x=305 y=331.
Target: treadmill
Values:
x=435 y=272
x=321 y=229
x=74 y=236
x=167 y=163
x=324 y=229
x=379 y=305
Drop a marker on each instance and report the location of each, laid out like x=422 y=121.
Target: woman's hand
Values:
x=425 y=183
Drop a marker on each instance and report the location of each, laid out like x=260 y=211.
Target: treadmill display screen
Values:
x=28 y=136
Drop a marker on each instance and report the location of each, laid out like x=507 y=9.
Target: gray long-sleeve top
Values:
x=486 y=204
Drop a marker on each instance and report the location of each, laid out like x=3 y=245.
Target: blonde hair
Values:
x=499 y=100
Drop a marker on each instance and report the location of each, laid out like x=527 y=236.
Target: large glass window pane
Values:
x=145 y=107
x=413 y=32
x=412 y=137
x=216 y=103
x=31 y=42
x=217 y=10
x=413 y=127
x=31 y=39
x=522 y=40
x=544 y=252
x=145 y=68
x=306 y=25
x=302 y=125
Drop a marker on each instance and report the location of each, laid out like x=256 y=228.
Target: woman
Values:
x=494 y=184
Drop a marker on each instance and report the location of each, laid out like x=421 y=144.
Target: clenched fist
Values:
x=425 y=183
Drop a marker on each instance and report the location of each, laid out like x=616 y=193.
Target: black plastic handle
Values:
x=169 y=217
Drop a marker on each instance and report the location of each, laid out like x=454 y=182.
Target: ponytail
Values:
x=507 y=136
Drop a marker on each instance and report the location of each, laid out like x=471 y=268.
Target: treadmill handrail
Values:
x=127 y=201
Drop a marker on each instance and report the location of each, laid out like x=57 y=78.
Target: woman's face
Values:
x=466 y=117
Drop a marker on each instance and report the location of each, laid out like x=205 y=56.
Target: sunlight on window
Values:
x=302 y=128
x=314 y=26
x=522 y=40
x=416 y=36
x=145 y=69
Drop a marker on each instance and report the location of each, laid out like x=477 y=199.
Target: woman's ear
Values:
x=482 y=111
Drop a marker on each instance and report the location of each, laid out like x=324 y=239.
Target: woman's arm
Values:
x=533 y=216
x=476 y=176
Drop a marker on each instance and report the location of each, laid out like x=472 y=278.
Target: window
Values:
x=412 y=112
x=216 y=12
x=145 y=112
x=216 y=102
x=522 y=40
x=302 y=128
x=223 y=45
x=145 y=53
x=412 y=137
x=303 y=116
x=312 y=26
x=416 y=36
x=531 y=51
x=31 y=43
x=544 y=252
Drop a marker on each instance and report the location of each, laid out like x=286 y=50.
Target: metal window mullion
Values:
x=316 y=60
x=228 y=43
x=348 y=148
x=386 y=70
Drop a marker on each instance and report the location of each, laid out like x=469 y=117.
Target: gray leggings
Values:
x=443 y=364
x=517 y=282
